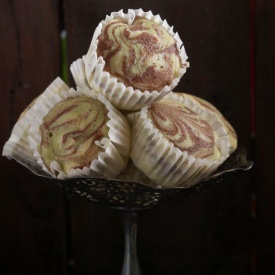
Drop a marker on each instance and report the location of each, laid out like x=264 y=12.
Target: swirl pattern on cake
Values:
x=142 y=55
x=233 y=139
x=184 y=128
x=69 y=132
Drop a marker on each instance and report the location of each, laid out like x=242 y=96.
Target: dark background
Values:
x=226 y=230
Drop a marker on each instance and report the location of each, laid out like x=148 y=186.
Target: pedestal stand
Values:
x=132 y=198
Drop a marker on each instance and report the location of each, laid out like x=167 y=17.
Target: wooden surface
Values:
x=230 y=45
x=32 y=221
x=264 y=181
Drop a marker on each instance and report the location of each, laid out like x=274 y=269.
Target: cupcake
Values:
x=176 y=142
x=77 y=134
x=134 y=59
x=233 y=140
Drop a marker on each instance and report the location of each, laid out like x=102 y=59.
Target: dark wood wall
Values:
x=228 y=229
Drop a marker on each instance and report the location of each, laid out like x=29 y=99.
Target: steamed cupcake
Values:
x=233 y=140
x=75 y=134
x=176 y=142
x=134 y=59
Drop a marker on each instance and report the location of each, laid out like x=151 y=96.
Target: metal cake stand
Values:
x=132 y=198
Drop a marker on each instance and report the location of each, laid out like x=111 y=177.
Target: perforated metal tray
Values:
x=136 y=195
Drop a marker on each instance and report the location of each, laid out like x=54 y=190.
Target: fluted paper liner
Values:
x=26 y=138
x=132 y=173
x=90 y=69
x=18 y=145
x=161 y=161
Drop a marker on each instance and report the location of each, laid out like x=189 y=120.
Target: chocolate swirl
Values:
x=142 y=55
x=69 y=132
x=184 y=128
x=232 y=135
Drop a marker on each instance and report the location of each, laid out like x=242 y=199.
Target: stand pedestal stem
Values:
x=130 y=264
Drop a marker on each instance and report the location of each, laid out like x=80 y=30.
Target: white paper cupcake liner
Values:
x=108 y=164
x=133 y=174
x=18 y=145
x=161 y=161
x=121 y=96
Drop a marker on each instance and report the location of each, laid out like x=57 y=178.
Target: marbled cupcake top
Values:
x=232 y=135
x=69 y=132
x=142 y=55
x=187 y=130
